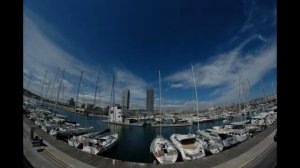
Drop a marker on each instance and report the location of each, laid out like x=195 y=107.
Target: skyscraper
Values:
x=150 y=100
x=125 y=99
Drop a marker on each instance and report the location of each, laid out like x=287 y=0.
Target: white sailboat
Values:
x=103 y=143
x=211 y=144
x=189 y=145
x=163 y=150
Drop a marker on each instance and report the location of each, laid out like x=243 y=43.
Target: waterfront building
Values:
x=125 y=99
x=115 y=114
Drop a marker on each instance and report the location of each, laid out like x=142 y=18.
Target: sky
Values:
x=231 y=45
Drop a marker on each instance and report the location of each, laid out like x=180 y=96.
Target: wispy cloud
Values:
x=42 y=54
x=223 y=71
x=246 y=27
x=134 y=83
x=176 y=85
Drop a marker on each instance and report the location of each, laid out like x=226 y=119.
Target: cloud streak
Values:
x=223 y=71
x=176 y=85
x=43 y=54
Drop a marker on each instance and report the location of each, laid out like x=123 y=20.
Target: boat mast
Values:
x=43 y=85
x=99 y=95
x=78 y=92
x=62 y=76
x=28 y=85
x=195 y=93
x=113 y=101
x=47 y=89
x=96 y=89
x=160 y=103
x=54 y=83
x=112 y=96
x=263 y=89
x=250 y=97
x=240 y=98
x=245 y=98
x=274 y=92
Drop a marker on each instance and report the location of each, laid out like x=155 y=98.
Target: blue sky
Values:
x=224 y=40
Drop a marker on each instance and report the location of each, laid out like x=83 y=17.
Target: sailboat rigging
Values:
x=162 y=149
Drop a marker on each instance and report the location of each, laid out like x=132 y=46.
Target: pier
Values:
x=59 y=154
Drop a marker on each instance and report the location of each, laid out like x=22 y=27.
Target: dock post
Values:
x=32 y=132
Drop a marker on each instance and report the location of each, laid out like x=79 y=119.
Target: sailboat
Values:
x=189 y=145
x=99 y=145
x=102 y=143
x=163 y=150
x=77 y=141
x=210 y=144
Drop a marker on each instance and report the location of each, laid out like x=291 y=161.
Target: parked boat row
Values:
x=213 y=140
x=84 y=138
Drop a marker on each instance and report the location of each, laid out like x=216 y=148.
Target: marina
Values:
x=149 y=84
x=143 y=135
x=100 y=161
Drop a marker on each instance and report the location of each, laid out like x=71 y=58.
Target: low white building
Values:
x=115 y=114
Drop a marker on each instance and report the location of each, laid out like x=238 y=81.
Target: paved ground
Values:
x=267 y=160
x=34 y=157
x=68 y=154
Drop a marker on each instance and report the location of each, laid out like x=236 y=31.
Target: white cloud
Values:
x=176 y=85
x=224 y=69
x=135 y=84
x=42 y=54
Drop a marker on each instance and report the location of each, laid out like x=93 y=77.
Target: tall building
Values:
x=125 y=99
x=150 y=100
